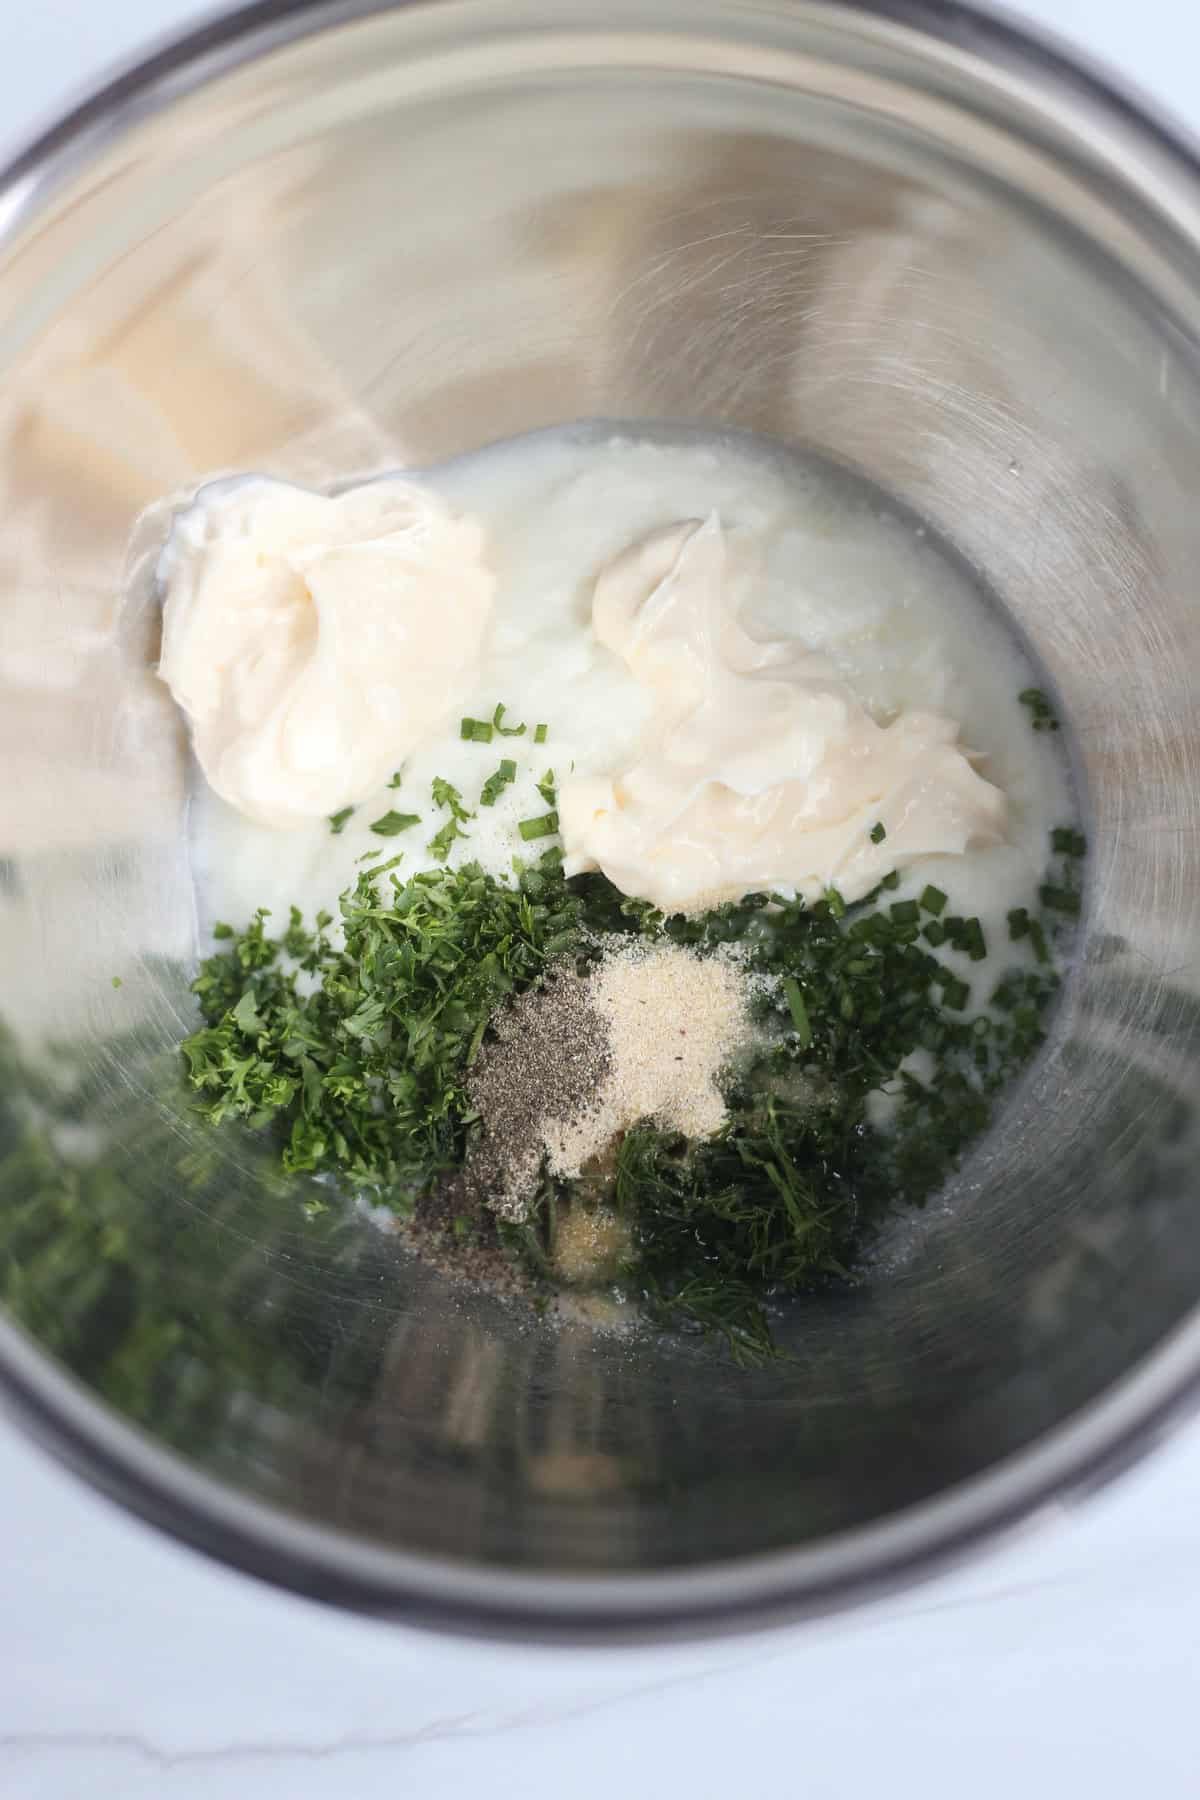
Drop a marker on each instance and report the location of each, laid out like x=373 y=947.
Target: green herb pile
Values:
x=355 y=1054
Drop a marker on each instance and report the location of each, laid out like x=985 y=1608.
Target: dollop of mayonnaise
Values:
x=314 y=641
x=759 y=769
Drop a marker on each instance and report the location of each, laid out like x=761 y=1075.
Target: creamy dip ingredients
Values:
x=314 y=641
x=759 y=769
x=667 y=896
x=814 y=565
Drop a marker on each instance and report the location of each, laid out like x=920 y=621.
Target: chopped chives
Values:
x=1059 y=899
x=502 y=728
x=933 y=900
x=955 y=993
x=934 y=932
x=1018 y=924
x=973 y=940
x=878 y=832
x=904 y=912
x=546 y=826
x=798 y=1010
x=547 y=789
x=476 y=731
x=540 y=733
x=393 y=823
x=1037 y=938
x=892 y=880
x=1066 y=841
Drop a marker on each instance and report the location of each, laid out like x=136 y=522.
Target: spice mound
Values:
x=648 y=1034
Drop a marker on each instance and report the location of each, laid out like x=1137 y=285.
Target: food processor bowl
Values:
x=319 y=240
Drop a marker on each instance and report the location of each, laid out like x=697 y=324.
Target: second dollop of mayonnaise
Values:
x=314 y=641
x=759 y=769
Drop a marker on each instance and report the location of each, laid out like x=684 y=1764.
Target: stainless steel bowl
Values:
x=315 y=239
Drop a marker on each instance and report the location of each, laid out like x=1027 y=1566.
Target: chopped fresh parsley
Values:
x=448 y=796
x=441 y=841
x=355 y=1055
x=1040 y=710
x=393 y=823
x=392 y=1017
x=444 y=794
x=495 y=784
x=337 y=820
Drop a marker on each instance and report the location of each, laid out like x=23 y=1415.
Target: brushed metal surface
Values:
x=326 y=240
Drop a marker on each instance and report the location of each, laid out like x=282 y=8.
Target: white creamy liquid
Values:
x=836 y=577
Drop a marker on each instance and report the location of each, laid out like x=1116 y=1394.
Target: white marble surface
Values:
x=131 y=1669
